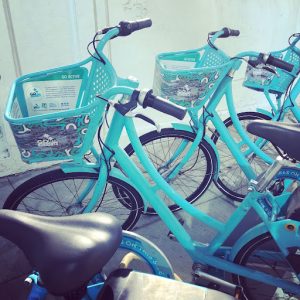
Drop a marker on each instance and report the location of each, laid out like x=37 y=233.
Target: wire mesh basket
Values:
x=54 y=114
x=188 y=78
x=263 y=80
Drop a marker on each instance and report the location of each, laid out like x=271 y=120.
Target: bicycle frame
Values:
x=198 y=251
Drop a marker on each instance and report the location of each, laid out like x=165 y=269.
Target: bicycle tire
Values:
x=167 y=139
x=232 y=181
x=270 y=264
x=42 y=195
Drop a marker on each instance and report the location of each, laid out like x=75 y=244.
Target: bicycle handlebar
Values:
x=124 y=28
x=147 y=99
x=227 y=32
x=296 y=37
x=264 y=58
x=127 y=27
x=276 y=62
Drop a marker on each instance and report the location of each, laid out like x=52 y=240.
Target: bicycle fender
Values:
x=247 y=237
x=182 y=126
x=265 y=112
x=155 y=258
x=185 y=127
x=71 y=167
x=115 y=171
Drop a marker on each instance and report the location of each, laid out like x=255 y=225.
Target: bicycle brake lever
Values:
x=147 y=119
x=271 y=70
x=144 y=118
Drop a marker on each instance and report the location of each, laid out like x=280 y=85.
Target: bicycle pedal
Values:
x=171 y=235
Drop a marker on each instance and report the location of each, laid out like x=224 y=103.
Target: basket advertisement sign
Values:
x=51 y=139
x=54 y=92
x=187 y=78
x=180 y=62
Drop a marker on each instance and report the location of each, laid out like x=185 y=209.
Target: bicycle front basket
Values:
x=54 y=114
x=188 y=78
x=262 y=80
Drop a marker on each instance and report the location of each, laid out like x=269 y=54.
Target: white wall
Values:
x=54 y=33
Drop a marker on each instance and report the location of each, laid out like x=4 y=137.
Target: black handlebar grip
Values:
x=127 y=27
x=227 y=32
x=141 y=24
x=276 y=62
x=164 y=106
x=234 y=32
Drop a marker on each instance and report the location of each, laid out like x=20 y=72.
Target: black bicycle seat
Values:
x=286 y=136
x=66 y=251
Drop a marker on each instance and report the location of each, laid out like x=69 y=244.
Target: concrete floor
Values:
x=13 y=264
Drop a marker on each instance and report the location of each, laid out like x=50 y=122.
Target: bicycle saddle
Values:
x=66 y=251
x=286 y=136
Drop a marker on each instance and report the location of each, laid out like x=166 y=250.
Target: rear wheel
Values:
x=55 y=193
x=232 y=181
x=262 y=254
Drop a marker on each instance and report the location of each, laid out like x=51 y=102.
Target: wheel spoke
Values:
x=55 y=193
x=232 y=181
x=194 y=177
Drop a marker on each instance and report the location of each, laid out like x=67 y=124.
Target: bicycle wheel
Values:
x=262 y=254
x=232 y=181
x=195 y=177
x=55 y=193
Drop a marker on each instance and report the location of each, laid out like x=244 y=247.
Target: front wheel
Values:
x=165 y=150
x=55 y=193
x=262 y=254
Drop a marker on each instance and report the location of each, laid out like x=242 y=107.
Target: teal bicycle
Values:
x=281 y=91
x=278 y=227
x=264 y=259
x=54 y=116
x=185 y=154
